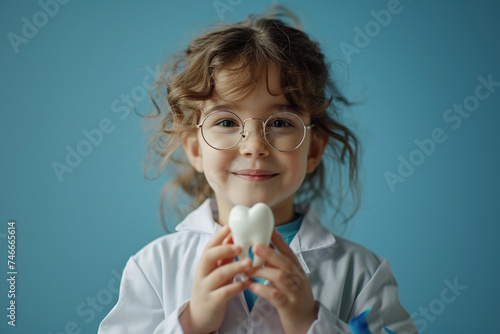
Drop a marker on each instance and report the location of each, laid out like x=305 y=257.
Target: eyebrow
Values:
x=279 y=107
x=217 y=107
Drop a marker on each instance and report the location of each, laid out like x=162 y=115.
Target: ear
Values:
x=317 y=147
x=192 y=148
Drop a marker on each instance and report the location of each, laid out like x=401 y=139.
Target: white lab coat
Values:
x=346 y=280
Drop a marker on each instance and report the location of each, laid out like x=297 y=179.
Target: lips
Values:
x=255 y=175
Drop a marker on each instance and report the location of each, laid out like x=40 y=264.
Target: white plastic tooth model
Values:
x=250 y=226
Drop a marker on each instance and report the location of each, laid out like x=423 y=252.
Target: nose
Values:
x=253 y=142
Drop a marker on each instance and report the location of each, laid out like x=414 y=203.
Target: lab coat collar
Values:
x=201 y=219
x=312 y=234
x=312 y=237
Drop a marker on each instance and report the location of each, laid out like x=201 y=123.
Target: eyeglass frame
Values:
x=264 y=132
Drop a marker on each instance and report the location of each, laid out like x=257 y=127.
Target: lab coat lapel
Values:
x=311 y=237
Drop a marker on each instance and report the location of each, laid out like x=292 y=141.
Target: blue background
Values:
x=74 y=235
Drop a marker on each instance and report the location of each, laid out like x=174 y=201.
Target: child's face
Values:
x=252 y=171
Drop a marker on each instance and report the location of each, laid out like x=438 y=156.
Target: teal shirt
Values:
x=288 y=232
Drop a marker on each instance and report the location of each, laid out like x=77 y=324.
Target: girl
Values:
x=254 y=108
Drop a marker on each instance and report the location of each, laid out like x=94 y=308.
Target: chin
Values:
x=249 y=202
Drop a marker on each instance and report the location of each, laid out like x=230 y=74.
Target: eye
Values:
x=226 y=123
x=280 y=123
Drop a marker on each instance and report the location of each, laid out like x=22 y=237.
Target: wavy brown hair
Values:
x=189 y=79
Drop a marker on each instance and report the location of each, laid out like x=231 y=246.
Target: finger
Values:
x=229 y=291
x=226 y=241
x=283 y=247
x=286 y=281
x=271 y=257
x=270 y=293
x=221 y=252
x=218 y=237
x=222 y=234
x=223 y=274
x=212 y=256
x=223 y=262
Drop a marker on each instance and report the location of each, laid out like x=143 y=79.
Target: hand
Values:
x=290 y=292
x=213 y=284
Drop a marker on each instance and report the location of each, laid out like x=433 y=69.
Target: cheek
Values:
x=216 y=168
x=302 y=161
x=211 y=174
x=302 y=171
x=297 y=166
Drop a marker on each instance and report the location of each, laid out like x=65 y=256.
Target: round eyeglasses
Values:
x=223 y=130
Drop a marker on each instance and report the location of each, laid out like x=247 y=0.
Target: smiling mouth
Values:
x=255 y=175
